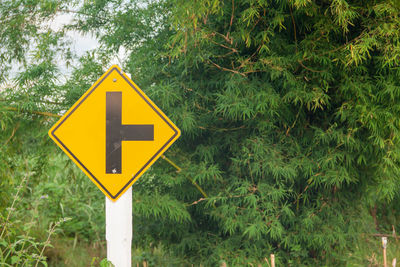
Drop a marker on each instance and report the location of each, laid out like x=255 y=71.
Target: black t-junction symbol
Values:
x=116 y=132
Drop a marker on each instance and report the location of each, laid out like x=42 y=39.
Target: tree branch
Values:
x=225 y=69
x=190 y=179
x=12 y=134
x=33 y=112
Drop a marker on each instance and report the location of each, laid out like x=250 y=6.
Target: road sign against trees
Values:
x=114 y=133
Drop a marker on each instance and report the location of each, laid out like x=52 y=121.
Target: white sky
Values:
x=80 y=45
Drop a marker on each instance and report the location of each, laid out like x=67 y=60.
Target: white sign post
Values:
x=119 y=229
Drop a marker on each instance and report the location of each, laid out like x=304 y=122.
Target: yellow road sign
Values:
x=114 y=133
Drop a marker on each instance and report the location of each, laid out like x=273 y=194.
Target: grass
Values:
x=60 y=192
x=72 y=253
x=369 y=252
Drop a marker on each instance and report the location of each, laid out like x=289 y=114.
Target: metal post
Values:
x=119 y=230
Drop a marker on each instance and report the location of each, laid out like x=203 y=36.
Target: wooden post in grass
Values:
x=384 y=245
x=272 y=260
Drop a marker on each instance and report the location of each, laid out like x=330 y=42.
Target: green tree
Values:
x=289 y=113
x=289 y=118
x=40 y=191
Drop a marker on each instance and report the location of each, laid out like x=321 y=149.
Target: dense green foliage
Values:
x=289 y=112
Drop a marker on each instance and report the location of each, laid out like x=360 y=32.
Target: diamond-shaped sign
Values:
x=114 y=133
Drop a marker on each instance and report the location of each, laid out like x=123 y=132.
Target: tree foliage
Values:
x=288 y=111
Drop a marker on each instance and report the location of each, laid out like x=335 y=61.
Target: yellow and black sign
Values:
x=114 y=133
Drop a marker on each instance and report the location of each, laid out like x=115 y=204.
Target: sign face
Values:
x=114 y=133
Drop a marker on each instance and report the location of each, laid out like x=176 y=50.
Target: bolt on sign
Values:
x=114 y=133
